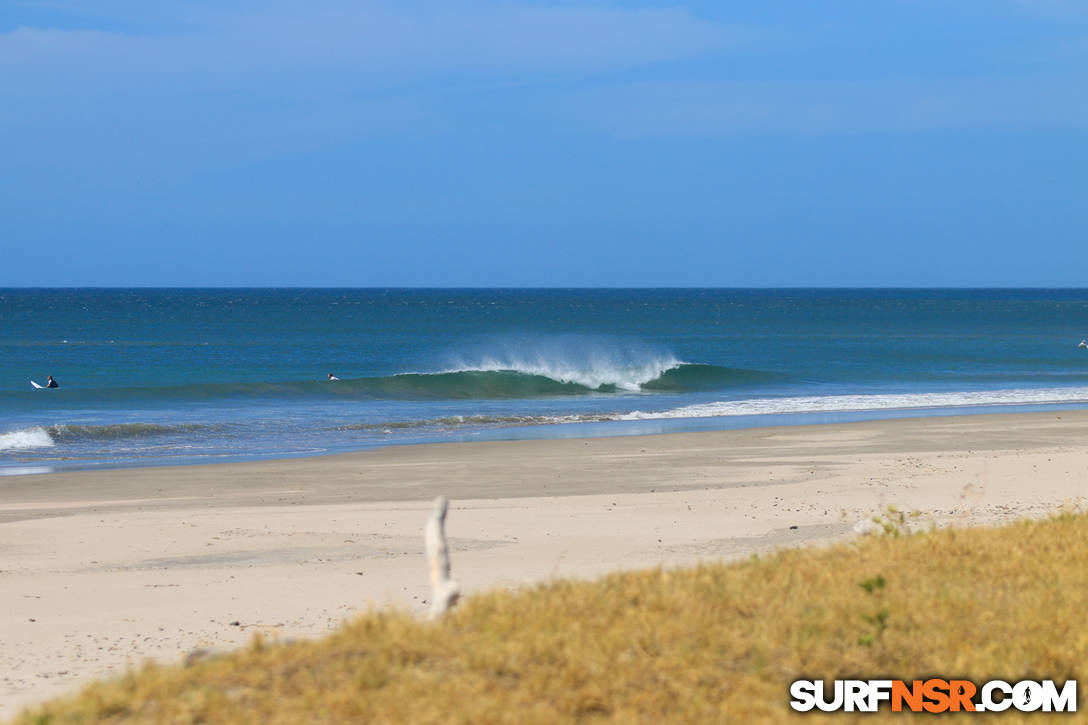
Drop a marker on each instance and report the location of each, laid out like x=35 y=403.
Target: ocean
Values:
x=173 y=376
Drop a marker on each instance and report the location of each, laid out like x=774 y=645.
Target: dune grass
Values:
x=716 y=643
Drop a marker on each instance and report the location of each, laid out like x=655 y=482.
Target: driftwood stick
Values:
x=444 y=590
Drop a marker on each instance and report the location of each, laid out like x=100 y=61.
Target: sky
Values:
x=570 y=144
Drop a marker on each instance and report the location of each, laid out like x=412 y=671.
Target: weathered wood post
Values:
x=444 y=590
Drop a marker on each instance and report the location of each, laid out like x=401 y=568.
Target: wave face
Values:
x=500 y=380
x=120 y=431
x=529 y=381
x=693 y=377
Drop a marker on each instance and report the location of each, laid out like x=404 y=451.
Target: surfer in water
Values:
x=51 y=383
x=1083 y=344
x=331 y=377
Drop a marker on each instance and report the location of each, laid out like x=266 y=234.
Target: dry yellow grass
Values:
x=715 y=643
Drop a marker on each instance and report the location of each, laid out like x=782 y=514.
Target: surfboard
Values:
x=39 y=387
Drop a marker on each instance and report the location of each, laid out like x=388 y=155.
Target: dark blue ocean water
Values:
x=180 y=376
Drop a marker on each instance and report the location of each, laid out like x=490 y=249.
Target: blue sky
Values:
x=861 y=143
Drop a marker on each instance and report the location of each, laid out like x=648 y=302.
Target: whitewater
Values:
x=589 y=363
x=20 y=440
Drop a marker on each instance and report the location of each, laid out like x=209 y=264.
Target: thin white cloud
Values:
x=277 y=76
x=715 y=109
x=508 y=38
x=1053 y=7
x=997 y=8
x=374 y=40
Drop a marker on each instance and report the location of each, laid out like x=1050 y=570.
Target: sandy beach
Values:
x=103 y=569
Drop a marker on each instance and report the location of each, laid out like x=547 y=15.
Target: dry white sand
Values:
x=99 y=570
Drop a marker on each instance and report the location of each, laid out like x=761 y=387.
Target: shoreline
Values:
x=102 y=568
x=581 y=430
x=127 y=485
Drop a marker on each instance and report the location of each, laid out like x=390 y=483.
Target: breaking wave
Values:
x=471 y=382
x=525 y=381
x=21 y=440
x=49 y=436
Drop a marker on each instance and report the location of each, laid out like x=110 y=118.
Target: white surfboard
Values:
x=39 y=387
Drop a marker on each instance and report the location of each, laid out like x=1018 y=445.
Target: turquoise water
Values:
x=181 y=376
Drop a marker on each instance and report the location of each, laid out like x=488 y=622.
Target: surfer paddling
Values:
x=331 y=377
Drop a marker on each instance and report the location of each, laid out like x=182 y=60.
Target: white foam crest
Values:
x=19 y=440
x=573 y=360
x=848 y=403
x=594 y=376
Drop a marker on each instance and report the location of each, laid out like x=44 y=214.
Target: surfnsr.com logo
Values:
x=933 y=695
